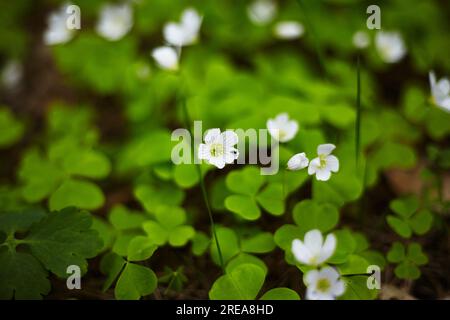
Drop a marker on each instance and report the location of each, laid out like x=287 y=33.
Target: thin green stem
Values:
x=358 y=110
x=317 y=47
x=202 y=186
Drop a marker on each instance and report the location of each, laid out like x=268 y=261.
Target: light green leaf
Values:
x=242 y=283
x=141 y=248
x=280 y=294
x=244 y=206
x=271 y=198
x=399 y=226
x=77 y=193
x=135 y=282
x=309 y=215
x=260 y=243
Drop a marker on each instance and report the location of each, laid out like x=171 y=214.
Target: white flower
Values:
x=261 y=12
x=323 y=284
x=115 y=21
x=325 y=163
x=12 y=74
x=218 y=148
x=440 y=92
x=390 y=46
x=298 y=161
x=313 y=251
x=289 y=30
x=361 y=40
x=281 y=128
x=166 y=57
x=57 y=31
x=185 y=32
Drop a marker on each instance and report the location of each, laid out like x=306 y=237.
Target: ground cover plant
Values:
x=127 y=130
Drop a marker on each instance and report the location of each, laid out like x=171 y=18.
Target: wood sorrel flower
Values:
x=57 y=31
x=390 y=46
x=289 y=30
x=313 y=251
x=323 y=284
x=325 y=163
x=115 y=21
x=186 y=31
x=281 y=128
x=218 y=148
x=166 y=57
x=298 y=161
x=440 y=92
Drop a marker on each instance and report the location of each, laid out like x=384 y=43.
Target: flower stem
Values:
x=358 y=110
x=202 y=186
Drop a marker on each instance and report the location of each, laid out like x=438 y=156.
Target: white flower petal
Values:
x=444 y=86
x=289 y=30
x=298 y=161
x=301 y=252
x=173 y=34
x=313 y=165
x=311 y=277
x=338 y=288
x=204 y=151
x=191 y=20
x=323 y=174
x=212 y=135
x=361 y=40
x=166 y=57
x=115 y=21
x=328 y=248
x=230 y=155
x=330 y=274
x=219 y=162
x=313 y=241
x=282 y=118
x=261 y=12
x=325 y=149
x=230 y=138
x=390 y=46
x=333 y=163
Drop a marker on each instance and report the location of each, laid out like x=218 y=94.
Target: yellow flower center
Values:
x=216 y=150
x=323 y=161
x=323 y=285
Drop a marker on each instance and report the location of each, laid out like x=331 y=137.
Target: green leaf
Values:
x=111 y=265
x=157 y=233
x=11 y=130
x=229 y=245
x=246 y=181
x=87 y=163
x=346 y=245
x=405 y=207
x=200 y=243
x=355 y=264
x=244 y=206
x=244 y=258
x=356 y=289
x=77 y=193
x=271 y=198
x=62 y=239
x=286 y=234
x=260 y=243
x=421 y=222
x=151 y=197
x=40 y=177
x=180 y=235
x=135 y=282
x=396 y=253
x=399 y=226
x=186 y=175
x=20 y=220
x=416 y=255
x=141 y=248
x=407 y=270
x=280 y=294
x=123 y=219
x=22 y=276
x=242 y=283
x=309 y=215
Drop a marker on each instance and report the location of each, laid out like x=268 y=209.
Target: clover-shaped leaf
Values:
x=11 y=129
x=246 y=183
x=309 y=215
x=409 y=219
x=169 y=227
x=280 y=294
x=232 y=245
x=152 y=196
x=134 y=282
x=242 y=283
x=408 y=260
